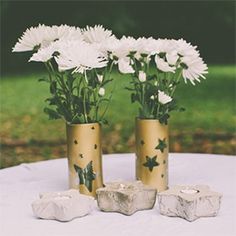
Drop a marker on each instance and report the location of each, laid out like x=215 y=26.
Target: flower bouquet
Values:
x=157 y=67
x=79 y=64
x=79 y=68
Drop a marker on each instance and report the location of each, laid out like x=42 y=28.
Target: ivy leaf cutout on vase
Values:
x=151 y=162
x=161 y=145
x=86 y=175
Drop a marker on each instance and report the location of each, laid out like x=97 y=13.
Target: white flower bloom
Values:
x=42 y=36
x=165 y=45
x=152 y=97
x=32 y=38
x=96 y=34
x=172 y=57
x=142 y=76
x=80 y=56
x=123 y=47
x=185 y=49
x=100 y=78
x=162 y=65
x=101 y=92
x=147 y=46
x=64 y=32
x=163 y=98
x=124 y=66
x=109 y=44
x=193 y=68
x=191 y=62
x=45 y=54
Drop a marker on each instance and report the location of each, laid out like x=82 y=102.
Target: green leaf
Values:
x=53 y=115
x=51 y=101
x=44 y=79
x=164 y=119
x=134 y=97
x=106 y=82
x=130 y=89
x=53 y=87
x=182 y=109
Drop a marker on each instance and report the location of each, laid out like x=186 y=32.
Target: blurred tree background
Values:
x=207 y=126
x=208 y=24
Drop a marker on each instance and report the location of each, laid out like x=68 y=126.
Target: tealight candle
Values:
x=62 y=198
x=189 y=191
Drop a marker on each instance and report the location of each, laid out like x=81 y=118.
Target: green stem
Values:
x=177 y=81
x=84 y=98
x=157 y=109
x=84 y=106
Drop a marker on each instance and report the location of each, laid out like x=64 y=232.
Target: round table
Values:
x=21 y=185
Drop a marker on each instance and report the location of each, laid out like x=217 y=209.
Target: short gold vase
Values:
x=152 y=148
x=84 y=154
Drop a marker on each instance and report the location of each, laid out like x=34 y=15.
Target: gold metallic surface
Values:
x=147 y=134
x=84 y=146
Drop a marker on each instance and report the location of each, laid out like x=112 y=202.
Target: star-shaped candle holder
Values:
x=62 y=206
x=189 y=202
x=126 y=197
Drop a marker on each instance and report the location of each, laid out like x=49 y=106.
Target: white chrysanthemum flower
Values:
x=65 y=32
x=100 y=78
x=124 y=66
x=166 y=48
x=162 y=65
x=80 y=56
x=123 y=47
x=172 y=57
x=34 y=37
x=96 y=34
x=42 y=36
x=142 y=76
x=109 y=44
x=191 y=62
x=101 y=92
x=163 y=98
x=186 y=49
x=193 y=68
x=45 y=54
x=146 y=46
x=164 y=45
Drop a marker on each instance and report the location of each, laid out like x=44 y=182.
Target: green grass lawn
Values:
x=207 y=125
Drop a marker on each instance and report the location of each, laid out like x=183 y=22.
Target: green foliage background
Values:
x=208 y=124
x=208 y=24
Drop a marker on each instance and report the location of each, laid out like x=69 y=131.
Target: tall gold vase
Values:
x=84 y=154
x=152 y=148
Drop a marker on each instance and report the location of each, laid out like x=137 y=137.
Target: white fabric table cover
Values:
x=20 y=185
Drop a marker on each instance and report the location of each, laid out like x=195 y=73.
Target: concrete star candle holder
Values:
x=63 y=206
x=126 y=197
x=189 y=202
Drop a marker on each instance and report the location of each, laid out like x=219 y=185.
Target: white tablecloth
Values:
x=20 y=185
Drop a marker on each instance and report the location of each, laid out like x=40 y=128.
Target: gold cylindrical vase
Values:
x=84 y=154
x=152 y=149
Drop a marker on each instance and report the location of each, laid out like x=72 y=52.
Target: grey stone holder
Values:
x=126 y=197
x=63 y=206
x=189 y=202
